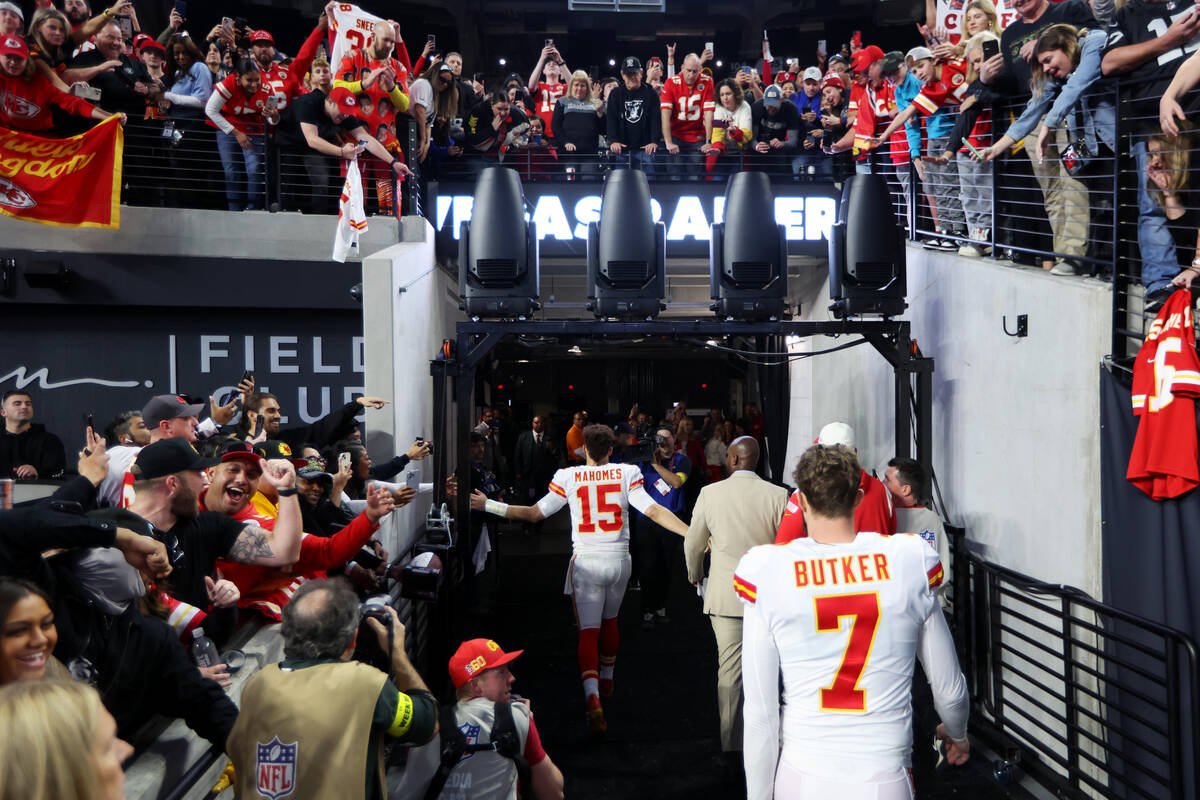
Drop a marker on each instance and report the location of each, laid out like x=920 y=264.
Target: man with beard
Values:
x=167 y=484
x=285 y=83
x=265 y=588
x=84 y=26
x=321 y=434
x=372 y=69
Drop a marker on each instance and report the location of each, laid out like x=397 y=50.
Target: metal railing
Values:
x=1091 y=701
x=177 y=163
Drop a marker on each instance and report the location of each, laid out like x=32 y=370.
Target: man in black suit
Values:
x=534 y=461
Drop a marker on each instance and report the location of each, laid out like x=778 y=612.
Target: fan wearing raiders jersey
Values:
x=841 y=615
x=599 y=495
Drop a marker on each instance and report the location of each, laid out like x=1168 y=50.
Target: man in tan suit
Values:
x=735 y=514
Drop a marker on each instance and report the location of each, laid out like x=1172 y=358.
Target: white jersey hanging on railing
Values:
x=950 y=14
x=352 y=218
x=351 y=29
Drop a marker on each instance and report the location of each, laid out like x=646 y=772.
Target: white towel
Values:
x=352 y=219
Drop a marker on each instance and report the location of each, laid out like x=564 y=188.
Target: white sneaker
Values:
x=971 y=250
x=1064 y=268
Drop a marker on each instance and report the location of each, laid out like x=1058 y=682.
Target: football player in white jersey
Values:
x=599 y=495
x=841 y=614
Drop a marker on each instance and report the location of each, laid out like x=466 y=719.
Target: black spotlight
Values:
x=866 y=252
x=747 y=254
x=626 y=251
x=498 y=250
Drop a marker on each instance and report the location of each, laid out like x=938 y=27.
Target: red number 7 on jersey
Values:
x=863 y=609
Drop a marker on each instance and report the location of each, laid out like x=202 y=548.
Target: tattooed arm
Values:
x=279 y=547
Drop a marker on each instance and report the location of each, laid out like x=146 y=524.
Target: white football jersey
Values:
x=599 y=498
x=843 y=623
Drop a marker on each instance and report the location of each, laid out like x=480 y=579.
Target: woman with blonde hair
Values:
x=577 y=124
x=1167 y=169
x=59 y=743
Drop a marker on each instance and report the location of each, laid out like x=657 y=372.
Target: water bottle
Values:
x=204 y=652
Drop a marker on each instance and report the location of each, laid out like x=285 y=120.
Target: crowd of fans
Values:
x=956 y=101
x=166 y=527
x=938 y=112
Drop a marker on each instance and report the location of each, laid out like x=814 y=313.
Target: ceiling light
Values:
x=612 y=62
x=574 y=350
x=503 y=62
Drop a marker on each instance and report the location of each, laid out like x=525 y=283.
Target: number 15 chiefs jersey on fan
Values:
x=1166 y=381
x=599 y=498
x=843 y=623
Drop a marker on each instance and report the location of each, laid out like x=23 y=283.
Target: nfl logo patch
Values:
x=276 y=768
x=471 y=733
x=930 y=537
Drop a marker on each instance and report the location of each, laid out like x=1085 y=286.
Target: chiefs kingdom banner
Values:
x=73 y=182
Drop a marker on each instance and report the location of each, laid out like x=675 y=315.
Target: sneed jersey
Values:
x=843 y=623
x=599 y=498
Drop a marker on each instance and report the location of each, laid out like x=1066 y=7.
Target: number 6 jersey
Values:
x=843 y=623
x=599 y=498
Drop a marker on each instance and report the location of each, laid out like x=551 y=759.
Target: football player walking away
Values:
x=842 y=614
x=599 y=495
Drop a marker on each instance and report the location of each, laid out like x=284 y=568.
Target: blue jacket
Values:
x=1092 y=118
x=906 y=90
x=658 y=489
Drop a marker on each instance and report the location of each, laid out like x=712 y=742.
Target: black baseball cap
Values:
x=631 y=65
x=167 y=457
x=892 y=62
x=273 y=448
x=622 y=427
x=169 y=406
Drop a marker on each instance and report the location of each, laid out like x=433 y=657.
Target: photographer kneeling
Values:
x=287 y=740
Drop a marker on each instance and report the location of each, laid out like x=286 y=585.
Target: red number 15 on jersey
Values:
x=607 y=514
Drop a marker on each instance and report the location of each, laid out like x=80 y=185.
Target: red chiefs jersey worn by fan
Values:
x=688 y=104
x=543 y=102
x=1166 y=381
x=353 y=71
x=874 y=513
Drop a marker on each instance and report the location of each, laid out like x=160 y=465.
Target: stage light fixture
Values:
x=866 y=252
x=498 y=262
x=626 y=251
x=747 y=253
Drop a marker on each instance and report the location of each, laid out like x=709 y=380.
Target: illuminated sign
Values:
x=562 y=212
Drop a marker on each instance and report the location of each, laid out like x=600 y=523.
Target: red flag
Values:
x=73 y=182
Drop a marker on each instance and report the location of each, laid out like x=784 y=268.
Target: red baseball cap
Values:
x=345 y=101
x=864 y=58
x=833 y=79
x=474 y=656
x=259 y=37
x=14 y=46
x=241 y=451
x=150 y=43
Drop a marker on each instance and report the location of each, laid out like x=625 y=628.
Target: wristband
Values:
x=288 y=492
x=496 y=507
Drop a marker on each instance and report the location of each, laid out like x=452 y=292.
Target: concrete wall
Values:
x=409 y=306
x=1015 y=421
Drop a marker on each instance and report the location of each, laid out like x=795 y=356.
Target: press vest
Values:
x=288 y=743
